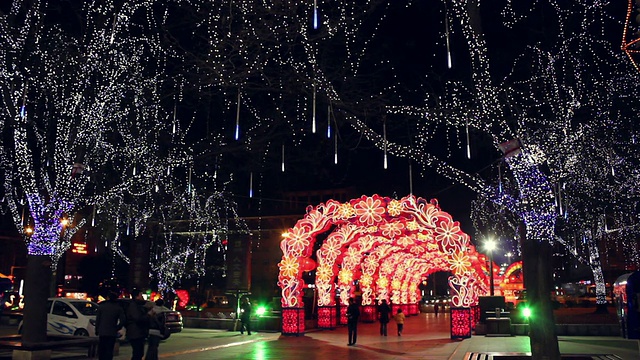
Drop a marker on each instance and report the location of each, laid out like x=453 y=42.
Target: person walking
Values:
x=156 y=328
x=399 y=318
x=245 y=316
x=353 y=313
x=436 y=308
x=137 y=324
x=110 y=318
x=384 y=310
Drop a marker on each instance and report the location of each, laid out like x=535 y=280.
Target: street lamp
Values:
x=489 y=246
x=509 y=255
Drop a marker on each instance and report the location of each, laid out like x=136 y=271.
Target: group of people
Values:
x=141 y=319
x=384 y=315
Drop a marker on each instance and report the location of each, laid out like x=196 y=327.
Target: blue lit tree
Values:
x=80 y=92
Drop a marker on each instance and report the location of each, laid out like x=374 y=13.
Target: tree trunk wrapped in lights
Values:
x=81 y=106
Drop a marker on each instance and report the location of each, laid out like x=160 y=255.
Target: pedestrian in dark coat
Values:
x=245 y=316
x=156 y=328
x=137 y=324
x=384 y=310
x=110 y=318
x=353 y=313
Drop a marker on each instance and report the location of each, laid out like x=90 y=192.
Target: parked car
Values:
x=173 y=319
x=69 y=316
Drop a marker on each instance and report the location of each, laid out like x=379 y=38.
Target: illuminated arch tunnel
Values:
x=386 y=246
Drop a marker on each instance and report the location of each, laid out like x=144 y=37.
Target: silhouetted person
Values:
x=137 y=324
x=110 y=318
x=245 y=316
x=435 y=308
x=384 y=310
x=353 y=313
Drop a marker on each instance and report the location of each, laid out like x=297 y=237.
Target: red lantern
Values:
x=183 y=298
x=306 y=264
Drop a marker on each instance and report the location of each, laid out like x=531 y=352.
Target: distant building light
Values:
x=79 y=248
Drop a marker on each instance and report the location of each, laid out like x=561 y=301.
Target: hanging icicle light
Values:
x=251 y=184
x=335 y=149
x=446 y=32
x=282 y=157
x=500 y=178
x=560 y=200
x=468 y=143
x=113 y=29
x=23 y=108
x=329 y=121
x=313 y=107
x=237 y=136
x=316 y=20
x=189 y=182
x=175 y=105
x=93 y=217
x=384 y=135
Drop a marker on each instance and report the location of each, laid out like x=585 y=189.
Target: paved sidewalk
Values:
x=425 y=337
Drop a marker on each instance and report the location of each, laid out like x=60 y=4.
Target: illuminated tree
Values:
x=80 y=89
x=553 y=72
x=183 y=230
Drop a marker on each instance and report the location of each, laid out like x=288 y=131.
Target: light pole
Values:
x=489 y=246
x=509 y=255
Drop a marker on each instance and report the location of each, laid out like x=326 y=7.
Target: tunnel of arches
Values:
x=377 y=248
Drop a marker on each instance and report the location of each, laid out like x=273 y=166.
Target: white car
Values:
x=68 y=316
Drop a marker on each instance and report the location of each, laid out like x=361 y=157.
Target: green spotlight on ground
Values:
x=526 y=312
x=261 y=310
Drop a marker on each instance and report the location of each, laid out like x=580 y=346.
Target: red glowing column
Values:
x=327 y=317
x=395 y=307
x=414 y=309
x=293 y=321
x=405 y=309
x=475 y=316
x=343 y=315
x=368 y=313
x=460 y=323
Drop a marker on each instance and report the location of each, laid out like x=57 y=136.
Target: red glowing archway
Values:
x=512 y=282
x=389 y=246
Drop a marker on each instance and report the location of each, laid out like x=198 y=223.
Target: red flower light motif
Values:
x=369 y=210
x=297 y=240
x=448 y=233
x=392 y=229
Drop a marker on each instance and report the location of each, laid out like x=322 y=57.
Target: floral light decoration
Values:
x=631 y=33
x=388 y=245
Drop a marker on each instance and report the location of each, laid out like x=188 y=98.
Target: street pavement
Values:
x=425 y=337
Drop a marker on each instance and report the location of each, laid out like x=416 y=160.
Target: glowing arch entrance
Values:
x=389 y=246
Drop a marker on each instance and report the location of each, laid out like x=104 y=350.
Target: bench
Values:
x=27 y=351
x=499 y=324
